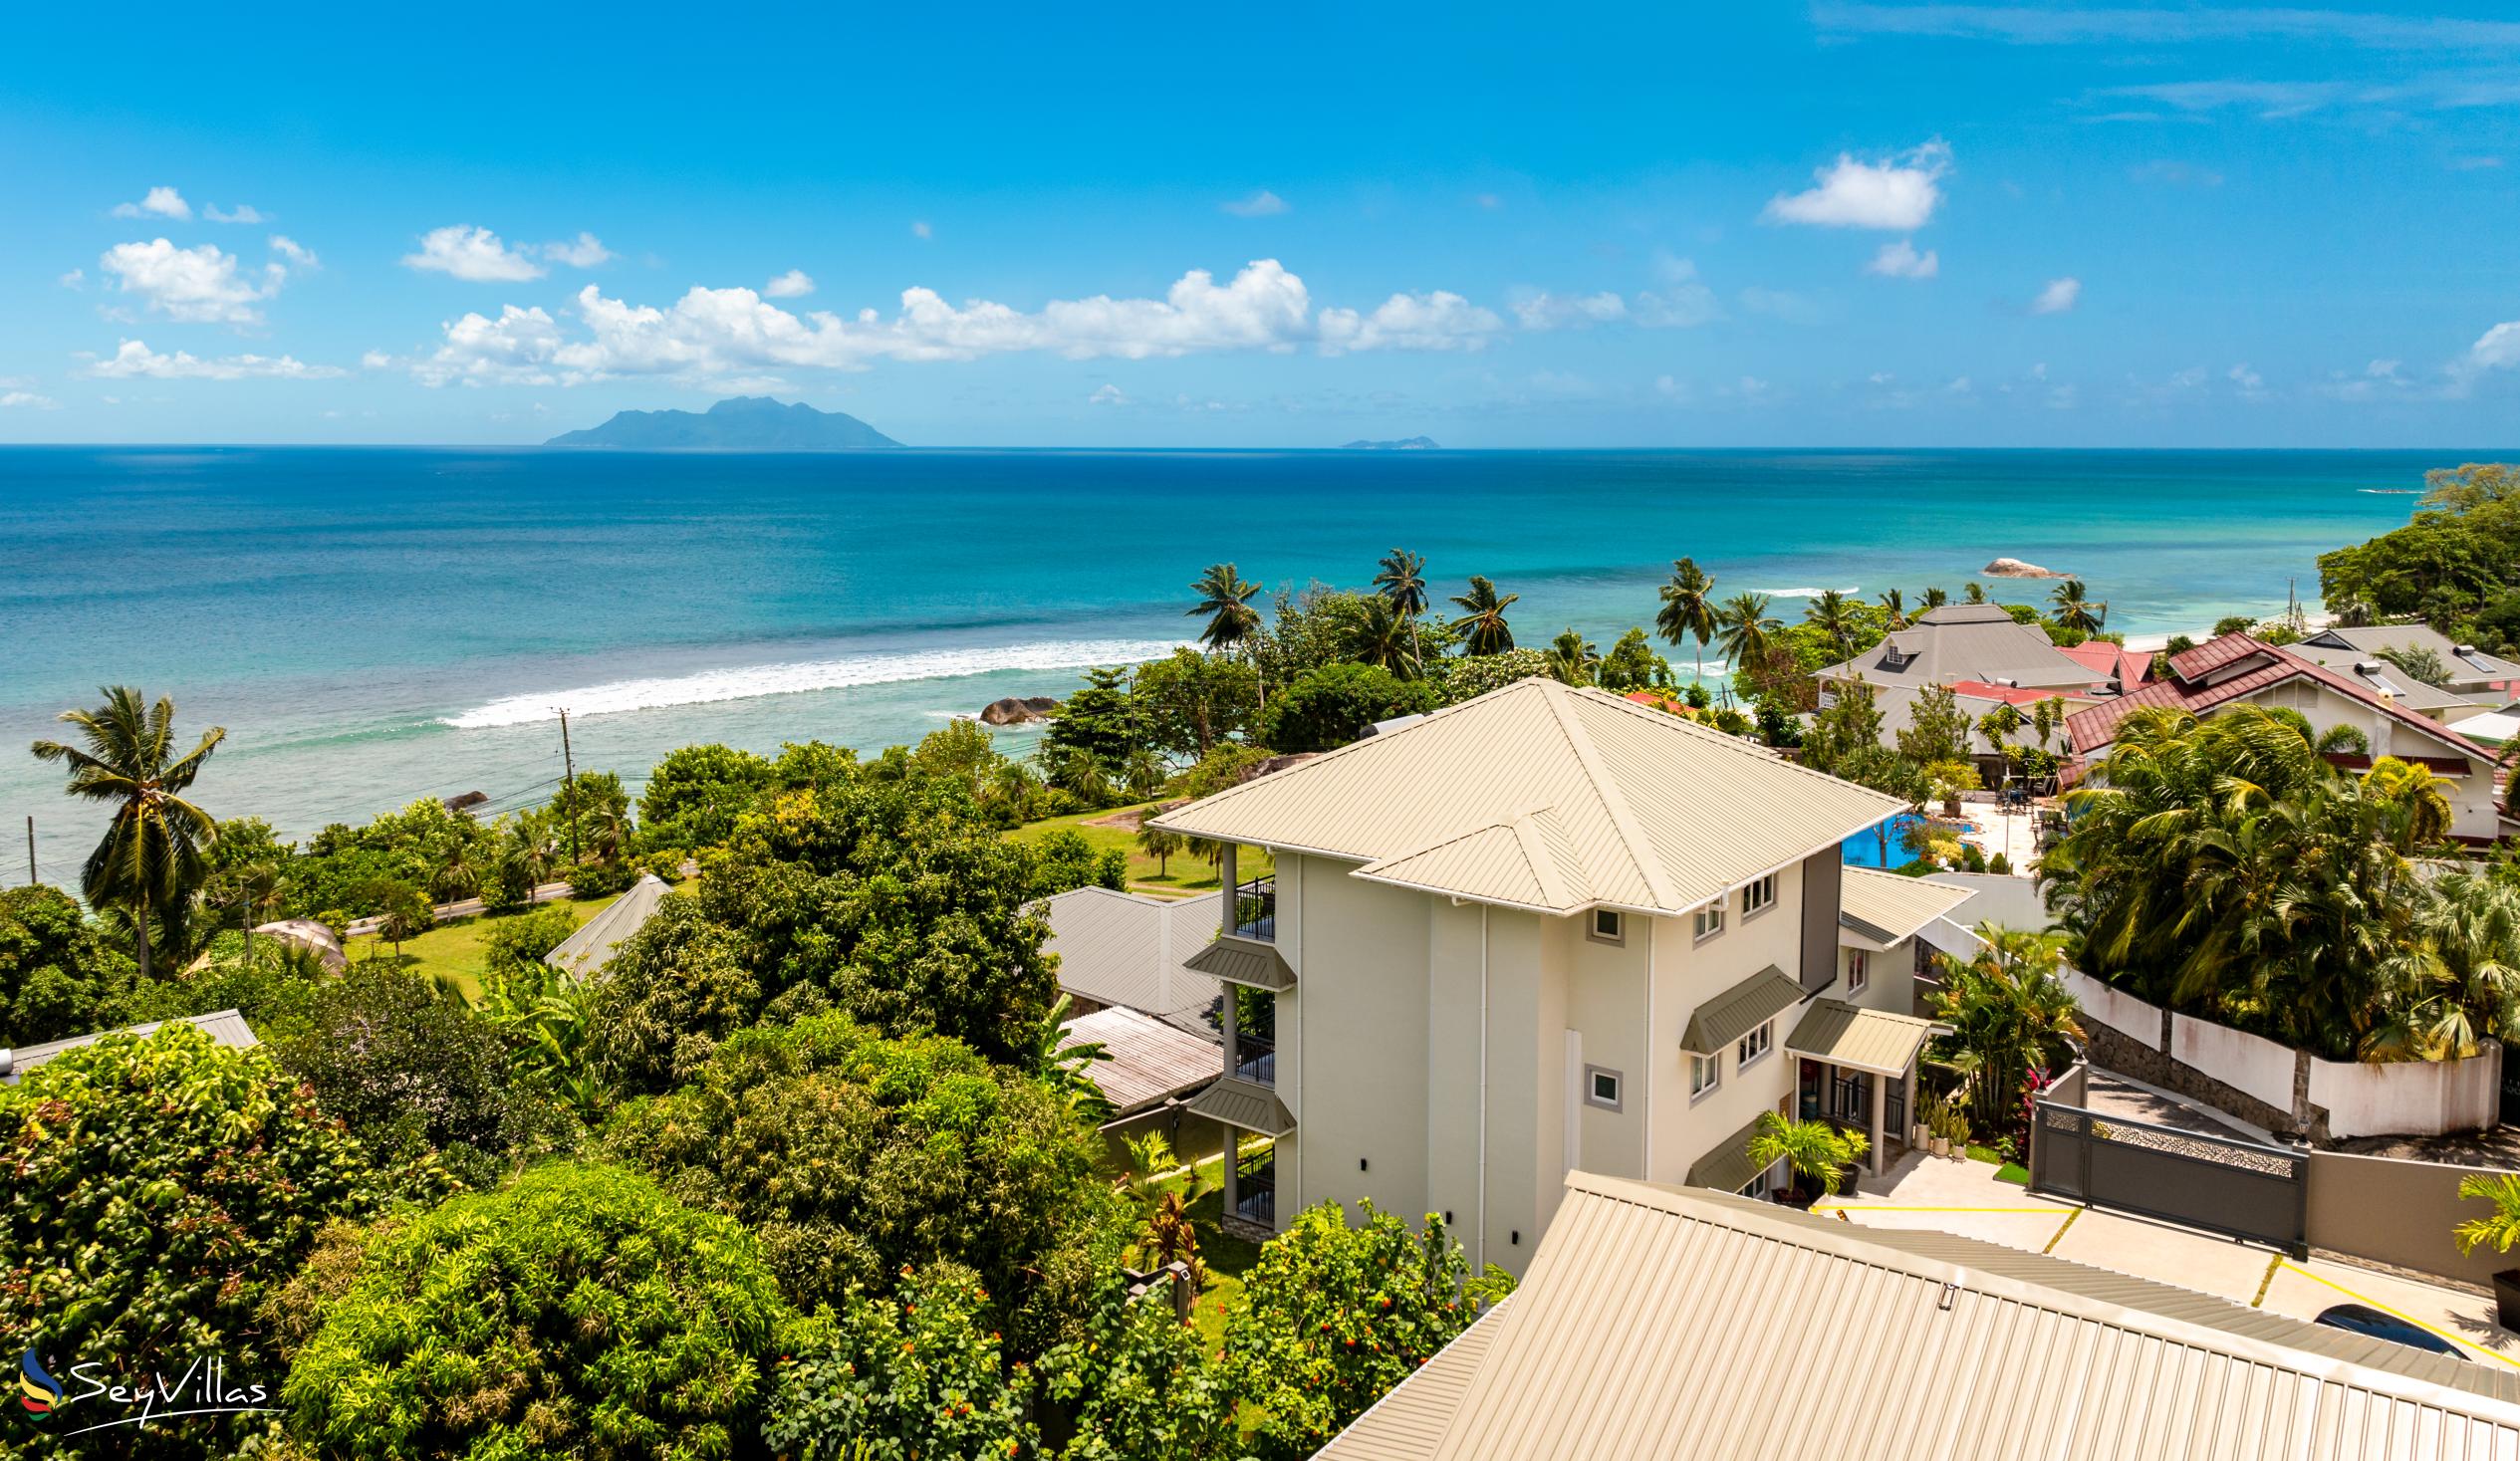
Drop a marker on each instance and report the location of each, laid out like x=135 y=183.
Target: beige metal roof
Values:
x=1150 y=1062
x=1884 y=907
x=1410 y=1419
x=1727 y=1167
x=594 y=945
x=1865 y=1040
x=1967 y=642
x=1117 y=948
x=1657 y=1322
x=227 y=1027
x=1245 y=1105
x=1238 y=960
x=1739 y=1009
x=1643 y=810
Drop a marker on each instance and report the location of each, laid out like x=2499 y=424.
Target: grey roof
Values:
x=2341 y=649
x=1967 y=642
x=1150 y=1061
x=227 y=1027
x=1739 y=1009
x=1726 y=1166
x=1128 y=949
x=310 y=935
x=1246 y=1105
x=1886 y=907
x=1865 y=1040
x=591 y=949
x=1658 y=1323
x=1238 y=960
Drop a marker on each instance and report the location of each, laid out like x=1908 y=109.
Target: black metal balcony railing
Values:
x=1255 y=1059
x=1258 y=1198
x=1256 y=909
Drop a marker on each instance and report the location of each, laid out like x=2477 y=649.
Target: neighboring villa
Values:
x=1657 y=1322
x=1984 y=657
x=1547 y=929
x=227 y=1027
x=1120 y=959
x=2237 y=669
x=2478 y=682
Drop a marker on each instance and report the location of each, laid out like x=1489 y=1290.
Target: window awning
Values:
x=1863 y=1040
x=1727 y=1167
x=1243 y=961
x=1247 y=1105
x=1738 y=1011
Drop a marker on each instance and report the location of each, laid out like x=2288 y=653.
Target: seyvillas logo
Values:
x=38 y=1392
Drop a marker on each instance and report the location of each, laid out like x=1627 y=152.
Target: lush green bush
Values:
x=580 y=1313
x=671 y=992
x=157 y=1190
x=58 y=976
x=1065 y=859
x=597 y=879
x=1189 y=702
x=1465 y=679
x=1335 y=1316
x=521 y=939
x=695 y=794
x=1339 y=703
x=853 y=1157
x=347 y=870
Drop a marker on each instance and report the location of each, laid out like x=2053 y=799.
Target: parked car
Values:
x=2375 y=1324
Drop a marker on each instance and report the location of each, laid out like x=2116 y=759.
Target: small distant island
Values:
x=1406 y=443
x=739 y=423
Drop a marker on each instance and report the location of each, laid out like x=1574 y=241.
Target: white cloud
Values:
x=2384 y=370
x=1546 y=311
x=1902 y=261
x=2252 y=385
x=28 y=400
x=297 y=254
x=472 y=253
x=1899 y=192
x=200 y=285
x=241 y=213
x=920 y=229
x=1439 y=320
x=1680 y=301
x=1261 y=204
x=710 y=333
x=2060 y=296
x=1782 y=304
x=75 y=278
x=1107 y=395
x=795 y=284
x=2497 y=348
x=161 y=202
x=584 y=252
x=136 y=359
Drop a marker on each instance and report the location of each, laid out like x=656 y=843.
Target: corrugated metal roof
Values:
x=1657 y=1322
x=1739 y=1009
x=1651 y=812
x=2187 y=690
x=1865 y=1040
x=591 y=946
x=1410 y=1419
x=227 y=1027
x=1967 y=642
x=1117 y=948
x=1150 y=1062
x=2472 y=668
x=1891 y=907
x=1238 y=960
x=1726 y=1167
x=1245 y=1105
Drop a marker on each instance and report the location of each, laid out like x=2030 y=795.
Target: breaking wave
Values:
x=1803 y=593
x=752 y=681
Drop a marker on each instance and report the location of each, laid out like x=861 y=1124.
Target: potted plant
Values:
x=1959 y=1133
x=1820 y=1157
x=2501 y=1229
x=1939 y=1129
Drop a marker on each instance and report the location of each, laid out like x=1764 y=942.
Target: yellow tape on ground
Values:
x=2409 y=1317
x=1883 y=1207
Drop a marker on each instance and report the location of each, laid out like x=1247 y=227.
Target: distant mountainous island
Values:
x=1406 y=443
x=738 y=424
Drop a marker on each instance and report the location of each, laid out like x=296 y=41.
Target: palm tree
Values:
x=1816 y=1151
x=1386 y=638
x=1573 y=660
x=1483 y=623
x=2010 y=1013
x=1833 y=613
x=1041 y=1048
x=150 y=861
x=1232 y=624
x=2502 y=1189
x=1687 y=612
x=1931 y=600
x=1159 y=843
x=2075 y=609
x=1402 y=581
x=1743 y=629
x=1896 y=606
x=1976 y=592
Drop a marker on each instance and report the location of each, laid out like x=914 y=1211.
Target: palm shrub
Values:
x=580 y=1312
x=2502 y=1227
x=2009 y=1013
x=1818 y=1154
x=151 y=858
x=158 y=1191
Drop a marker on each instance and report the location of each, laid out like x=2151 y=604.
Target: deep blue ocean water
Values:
x=376 y=625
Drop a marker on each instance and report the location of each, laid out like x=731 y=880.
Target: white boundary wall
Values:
x=2246 y=1062
x=2409 y=1098
x=2120 y=1011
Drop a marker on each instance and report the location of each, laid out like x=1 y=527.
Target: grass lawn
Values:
x=1183 y=873
x=2005 y=1171
x=461 y=950
x=1227 y=1257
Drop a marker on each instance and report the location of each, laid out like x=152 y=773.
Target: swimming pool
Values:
x=1865 y=848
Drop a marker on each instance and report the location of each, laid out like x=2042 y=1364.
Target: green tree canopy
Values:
x=59 y=974
x=1338 y=703
x=695 y=795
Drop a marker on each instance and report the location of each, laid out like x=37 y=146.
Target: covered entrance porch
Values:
x=1856 y=1068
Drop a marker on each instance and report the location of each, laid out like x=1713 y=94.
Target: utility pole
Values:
x=568 y=785
x=31 y=878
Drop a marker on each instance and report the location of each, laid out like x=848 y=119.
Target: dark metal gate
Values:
x=2217 y=1184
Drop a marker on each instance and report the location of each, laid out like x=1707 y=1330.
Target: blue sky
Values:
x=1848 y=225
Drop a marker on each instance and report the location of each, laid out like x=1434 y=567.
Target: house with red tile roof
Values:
x=2115 y=666
x=2238 y=669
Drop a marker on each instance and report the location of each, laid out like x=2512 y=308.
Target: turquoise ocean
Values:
x=379 y=625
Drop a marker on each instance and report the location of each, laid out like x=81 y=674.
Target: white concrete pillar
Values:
x=1225 y=870
x=1879 y=1085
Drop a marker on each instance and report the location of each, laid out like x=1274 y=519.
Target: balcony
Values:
x=1256 y=909
x=1255 y=1060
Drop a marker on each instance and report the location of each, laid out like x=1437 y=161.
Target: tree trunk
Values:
x=140 y=940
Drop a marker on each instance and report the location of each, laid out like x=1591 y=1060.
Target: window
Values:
x=1608 y=926
x=1762 y=1184
x=1754 y=1045
x=1709 y=920
x=1601 y=1087
x=1703 y=1071
x=1758 y=896
x=1858 y=975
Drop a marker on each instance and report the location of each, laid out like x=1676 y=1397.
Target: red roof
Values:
x=2099 y=724
x=2010 y=694
x=2128 y=667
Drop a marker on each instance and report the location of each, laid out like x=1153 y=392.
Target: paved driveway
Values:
x=1964 y=1197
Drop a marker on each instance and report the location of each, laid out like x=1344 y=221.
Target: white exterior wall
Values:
x=2473 y=811
x=1687 y=973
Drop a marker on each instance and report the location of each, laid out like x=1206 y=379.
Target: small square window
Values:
x=1704 y=1071
x=1754 y=1045
x=1758 y=896
x=1608 y=926
x=1709 y=920
x=1601 y=1087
